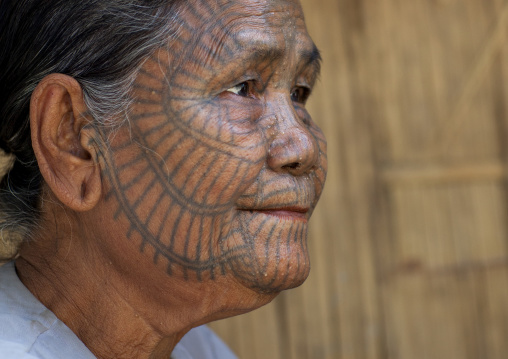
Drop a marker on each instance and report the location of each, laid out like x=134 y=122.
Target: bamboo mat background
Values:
x=409 y=241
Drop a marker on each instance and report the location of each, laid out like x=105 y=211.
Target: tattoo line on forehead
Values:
x=267 y=48
x=215 y=45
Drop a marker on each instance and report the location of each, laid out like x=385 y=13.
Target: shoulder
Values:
x=11 y=350
x=30 y=330
x=19 y=312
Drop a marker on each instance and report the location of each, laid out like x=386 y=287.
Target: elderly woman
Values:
x=164 y=171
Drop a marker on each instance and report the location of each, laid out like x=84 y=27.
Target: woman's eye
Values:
x=300 y=95
x=240 y=89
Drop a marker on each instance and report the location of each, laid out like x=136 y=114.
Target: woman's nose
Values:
x=293 y=148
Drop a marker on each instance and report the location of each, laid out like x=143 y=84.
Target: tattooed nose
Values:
x=294 y=151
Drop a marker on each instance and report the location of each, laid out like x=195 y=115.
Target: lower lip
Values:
x=286 y=215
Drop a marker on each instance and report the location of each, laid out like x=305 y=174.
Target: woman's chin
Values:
x=280 y=274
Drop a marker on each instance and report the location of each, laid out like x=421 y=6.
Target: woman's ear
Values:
x=62 y=142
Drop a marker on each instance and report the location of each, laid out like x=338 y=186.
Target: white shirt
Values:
x=28 y=330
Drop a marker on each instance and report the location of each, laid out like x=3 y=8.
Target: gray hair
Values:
x=100 y=43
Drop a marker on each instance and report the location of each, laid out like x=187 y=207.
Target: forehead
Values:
x=246 y=23
x=243 y=8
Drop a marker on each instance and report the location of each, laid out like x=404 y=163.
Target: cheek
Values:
x=320 y=140
x=303 y=115
x=213 y=150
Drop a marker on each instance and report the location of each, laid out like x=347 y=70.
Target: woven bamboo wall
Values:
x=409 y=243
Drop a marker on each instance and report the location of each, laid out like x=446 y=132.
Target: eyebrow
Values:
x=306 y=57
x=312 y=58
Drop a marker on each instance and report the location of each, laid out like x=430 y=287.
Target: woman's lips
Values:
x=293 y=214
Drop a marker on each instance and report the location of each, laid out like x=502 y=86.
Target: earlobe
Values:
x=61 y=142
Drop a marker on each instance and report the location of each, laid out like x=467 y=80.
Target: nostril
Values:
x=292 y=166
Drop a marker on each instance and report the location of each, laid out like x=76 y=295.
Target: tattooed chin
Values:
x=274 y=250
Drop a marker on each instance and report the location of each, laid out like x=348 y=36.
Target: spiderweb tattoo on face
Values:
x=220 y=165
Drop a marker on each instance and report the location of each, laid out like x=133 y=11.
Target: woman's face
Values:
x=220 y=166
